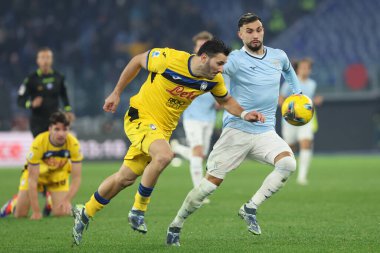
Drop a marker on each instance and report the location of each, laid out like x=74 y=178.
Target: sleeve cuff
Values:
x=67 y=108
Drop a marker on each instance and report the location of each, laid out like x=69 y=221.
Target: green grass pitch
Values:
x=338 y=212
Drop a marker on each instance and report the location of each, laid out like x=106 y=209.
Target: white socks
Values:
x=196 y=169
x=274 y=181
x=193 y=201
x=304 y=163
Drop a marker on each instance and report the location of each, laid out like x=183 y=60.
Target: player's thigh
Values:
x=57 y=198
x=228 y=152
x=289 y=133
x=207 y=134
x=135 y=161
x=23 y=204
x=305 y=132
x=267 y=146
x=194 y=132
x=142 y=132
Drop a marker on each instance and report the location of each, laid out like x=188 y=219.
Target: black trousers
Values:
x=38 y=125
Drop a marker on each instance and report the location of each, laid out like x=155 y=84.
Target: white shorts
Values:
x=293 y=134
x=234 y=146
x=198 y=133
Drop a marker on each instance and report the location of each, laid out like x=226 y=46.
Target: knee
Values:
x=286 y=165
x=163 y=159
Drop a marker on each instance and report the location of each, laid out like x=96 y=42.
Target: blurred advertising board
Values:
x=14 y=147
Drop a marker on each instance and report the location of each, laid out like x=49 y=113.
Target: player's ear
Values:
x=239 y=34
x=204 y=57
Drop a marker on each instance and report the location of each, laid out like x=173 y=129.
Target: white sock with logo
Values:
x=193 y=201
x=274 y=181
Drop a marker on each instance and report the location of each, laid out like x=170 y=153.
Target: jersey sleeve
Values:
x=76 y=155
x=231 y=67
x=219 y=90
x=64 y=97
x=35 y=152
x=289 y=73
x=157 y=60
x=23 y=98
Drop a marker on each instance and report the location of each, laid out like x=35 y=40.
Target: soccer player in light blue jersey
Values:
x=198 y=123
x=303 y=135
x=253 y=73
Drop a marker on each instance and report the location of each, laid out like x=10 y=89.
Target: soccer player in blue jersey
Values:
x=198 y=123
x=253 y=73
x=304 y=135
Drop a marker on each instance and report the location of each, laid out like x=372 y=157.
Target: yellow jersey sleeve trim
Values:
x=225 y=95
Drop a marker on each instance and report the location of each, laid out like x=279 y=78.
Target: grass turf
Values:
x=337 y=212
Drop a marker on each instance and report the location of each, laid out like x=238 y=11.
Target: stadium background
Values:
x=93 y=40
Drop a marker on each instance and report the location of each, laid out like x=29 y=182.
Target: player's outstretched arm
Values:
x=128 y=74
x=34 y=172
x=233 y=107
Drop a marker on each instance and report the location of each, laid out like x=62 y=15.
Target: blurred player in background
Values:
x=40 y=92
x=253 y=74
x=303 y=135
x=175 y=79
x=198 y=123
x=53 y=156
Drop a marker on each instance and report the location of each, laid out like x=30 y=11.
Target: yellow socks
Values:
x=142 y=198
x=95 y=204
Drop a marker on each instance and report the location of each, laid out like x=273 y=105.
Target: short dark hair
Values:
x=214 y=47
x=248 y=18
x=43 y=49
x=58 y=117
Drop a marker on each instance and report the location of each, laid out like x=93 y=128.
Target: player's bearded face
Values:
x=58 y=134
x=214 y=66
x=252 y=35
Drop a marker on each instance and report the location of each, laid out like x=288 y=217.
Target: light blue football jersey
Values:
x=201 y=109
x=255 y=83
x=308 y=87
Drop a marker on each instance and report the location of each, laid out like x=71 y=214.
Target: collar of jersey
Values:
x=188 y=66
x=255 y=56
x=39 y=72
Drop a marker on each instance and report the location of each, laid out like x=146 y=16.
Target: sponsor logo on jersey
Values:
x=178 y=91
x=175 y=103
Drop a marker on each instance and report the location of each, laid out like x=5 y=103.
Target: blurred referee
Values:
x=41 y=91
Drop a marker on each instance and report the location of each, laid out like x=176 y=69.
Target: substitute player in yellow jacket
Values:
x=53 y=156
x=175 y=79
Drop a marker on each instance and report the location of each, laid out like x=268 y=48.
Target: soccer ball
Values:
x=297 y=110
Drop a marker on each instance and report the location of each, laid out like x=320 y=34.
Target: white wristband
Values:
x=242 y=115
